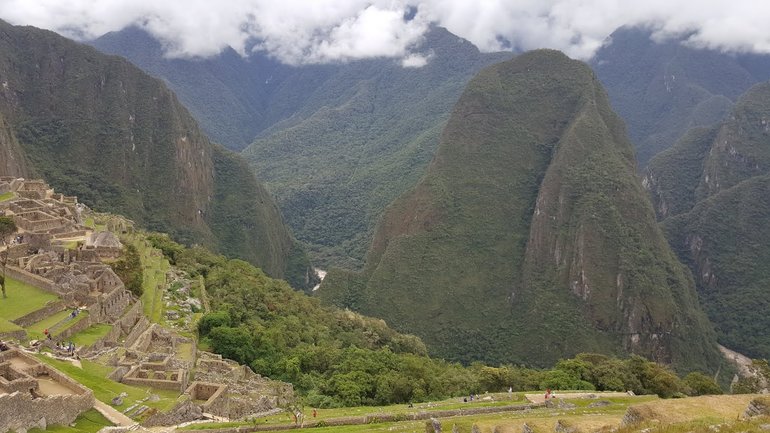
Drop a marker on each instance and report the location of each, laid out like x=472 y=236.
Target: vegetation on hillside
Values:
x=97 y=127
x=337 y=357
x=664 y=88
x=529 y=238
x=710 y=191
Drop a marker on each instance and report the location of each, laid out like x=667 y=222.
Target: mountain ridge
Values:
x=710 y=193
x=99 y=128
x=529 y=237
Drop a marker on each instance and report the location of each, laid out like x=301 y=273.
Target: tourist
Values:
x=315 y=413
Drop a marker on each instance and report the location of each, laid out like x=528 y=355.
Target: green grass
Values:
x=184 y=351
x=6 y=196
x=89 y=421
x=6 y=326
x=91 y=334
x=36 y=330
x=71 y=323
x=94 y=376
x=155 y=267
x=89 y=222
x=22 y=299
x=616 y=410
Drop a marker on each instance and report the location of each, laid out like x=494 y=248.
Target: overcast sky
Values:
x=312 y=31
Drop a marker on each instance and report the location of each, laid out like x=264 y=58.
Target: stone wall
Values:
x=111 y=306
x=213 y=396
x=38 y=315
x=18 y=334
x=31 y=279
x=139 y=376
x=19 y=411
x=84 y=323
x=133 y=315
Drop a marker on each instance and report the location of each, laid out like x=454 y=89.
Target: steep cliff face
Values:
x=529 y=238
x=711 y=192
x=97 y=127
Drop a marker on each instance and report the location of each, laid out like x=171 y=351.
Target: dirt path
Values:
x=540 y=397
x=113 y=415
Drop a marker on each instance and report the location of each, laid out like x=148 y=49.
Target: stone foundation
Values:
x=36 y=395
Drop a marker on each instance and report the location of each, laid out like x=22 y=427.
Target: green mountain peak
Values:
x=529 y=238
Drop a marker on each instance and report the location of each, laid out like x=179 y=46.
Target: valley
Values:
x=480 y=237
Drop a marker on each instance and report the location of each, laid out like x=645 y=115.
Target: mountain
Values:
x=711 y=192
x=234 y=98
x=334 y=143
x=663 y=89
x=364 y=137
x=97 y=127
x=530 y=238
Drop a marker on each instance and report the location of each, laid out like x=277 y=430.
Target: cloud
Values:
x=320 y=31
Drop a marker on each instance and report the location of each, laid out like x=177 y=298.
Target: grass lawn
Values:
x=694 y=414
x=6 y=326
x=6 y=196
x=22 y=299
x=155 y=267
x=94 y=376
x=89 y=421
x=71 y=323
x=91 y=334
x=598 y=416
x=184 y=351
x=36 y=330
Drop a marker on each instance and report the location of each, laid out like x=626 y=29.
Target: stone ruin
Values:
x=37 y=209
x=151 y=361
x=78 y=277
x=33 y=394
x=247 y=393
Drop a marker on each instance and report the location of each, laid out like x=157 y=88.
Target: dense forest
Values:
x=336 y=357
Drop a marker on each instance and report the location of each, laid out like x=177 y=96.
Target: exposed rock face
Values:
x=563 y=427
x=710 y=190
x=97 y=127
x=758 y=407
x=530 y=238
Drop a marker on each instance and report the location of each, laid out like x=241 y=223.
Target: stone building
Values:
x=33 y=394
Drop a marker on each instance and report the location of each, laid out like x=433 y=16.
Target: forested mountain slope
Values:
x=97 y=127
x=529 y=238
x=364 y=137
x=662 y=89
x=712 y=192
x=335 y=143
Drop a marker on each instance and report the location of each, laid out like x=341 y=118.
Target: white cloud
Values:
x=317 y=31
x=415 y=61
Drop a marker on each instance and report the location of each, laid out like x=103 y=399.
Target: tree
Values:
x=699 y=384
x=7 y=228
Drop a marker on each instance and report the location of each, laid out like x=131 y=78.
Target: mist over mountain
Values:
x=97 y=127
x=530 y=237
x=663 y=88
x=334 y=143
x=233 y=97
x=711 y=192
